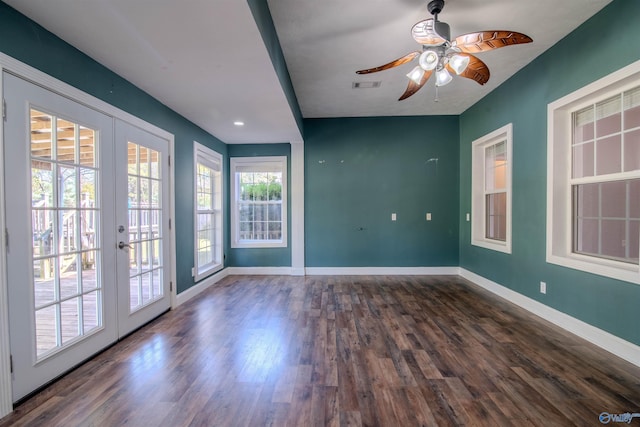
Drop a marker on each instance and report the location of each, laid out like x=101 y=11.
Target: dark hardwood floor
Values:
x=305 y=351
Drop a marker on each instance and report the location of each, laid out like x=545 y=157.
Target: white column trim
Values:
x=297 y=208
x=6 y=405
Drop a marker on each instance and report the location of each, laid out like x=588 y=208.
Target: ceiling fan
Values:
x=444 y=56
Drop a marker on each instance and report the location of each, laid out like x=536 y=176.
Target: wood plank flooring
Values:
x=342 y=351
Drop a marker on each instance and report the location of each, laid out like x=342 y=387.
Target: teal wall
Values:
x=261 y=257
x=28 y=42
x=605 y=43
x=358 y=171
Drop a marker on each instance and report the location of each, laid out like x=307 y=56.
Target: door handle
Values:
x=122 y=245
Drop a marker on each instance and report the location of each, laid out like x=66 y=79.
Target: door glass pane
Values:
x=90 y=311
x=47 y=330
x=44 y=283
x=145 y=219
x=64 y=220
x=87 y=147
x=70 y=319
x=41 y=134
x=134 y=292
x=66 y=141
x=147 y=288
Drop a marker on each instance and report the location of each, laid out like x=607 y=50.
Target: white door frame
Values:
x=36 y=76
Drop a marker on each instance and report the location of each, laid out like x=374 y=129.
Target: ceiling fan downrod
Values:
x=435 y=7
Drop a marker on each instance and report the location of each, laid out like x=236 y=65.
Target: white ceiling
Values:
x=206 y=59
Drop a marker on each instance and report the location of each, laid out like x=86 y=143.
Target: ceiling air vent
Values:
x=365 y=85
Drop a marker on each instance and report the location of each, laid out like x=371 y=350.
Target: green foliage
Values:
x=262 y=187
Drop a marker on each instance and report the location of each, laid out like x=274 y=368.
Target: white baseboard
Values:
x=382 y=271
x=185 y=296
x=298 y=271
x=267 y=271
x=613 y=344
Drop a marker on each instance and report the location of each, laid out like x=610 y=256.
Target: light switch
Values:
x=393 y=217
x=428 y=216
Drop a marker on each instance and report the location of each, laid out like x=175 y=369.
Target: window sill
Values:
x=493 y=245
x=246 y=244
x=602 y=267
x=207 y=271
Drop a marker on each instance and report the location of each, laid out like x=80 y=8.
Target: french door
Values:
x=87 y=251
x=142 y=193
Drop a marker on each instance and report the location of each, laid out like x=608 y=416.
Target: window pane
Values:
x=634 y=198
x=588 y=200
x=246 y=212
x=608 y=118
x=275 y=190
x=605 y=219
x=613 y=238
x=633 y=242
x=587 y=236
x=614 y=199
x=632 y=150
x=275 y=212
x=583 y=125
x=609 y=155
x=583 y=160
x=496 y=220
x=632 y=118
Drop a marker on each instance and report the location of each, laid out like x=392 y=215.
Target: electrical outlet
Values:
x=428 y=216
x=543 y=287
x=393 y=217
x=468 y=217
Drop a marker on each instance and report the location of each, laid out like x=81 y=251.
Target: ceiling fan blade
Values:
x=407 y=58
x=476 y=70
x=483 y=41
x=413 y=87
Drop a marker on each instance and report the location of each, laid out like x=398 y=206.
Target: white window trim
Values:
x=206 y=156
x=559 y=208
x=478 y=210
x=235 y=162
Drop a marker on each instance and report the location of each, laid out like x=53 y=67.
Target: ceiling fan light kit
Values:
x=444 y=56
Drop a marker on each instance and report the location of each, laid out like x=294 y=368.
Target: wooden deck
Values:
x=316 y=351
x=80 y=319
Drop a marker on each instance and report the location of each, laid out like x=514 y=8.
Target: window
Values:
x=593 y=221
x=259 y=191
x=208 y=211
x=491 y=190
